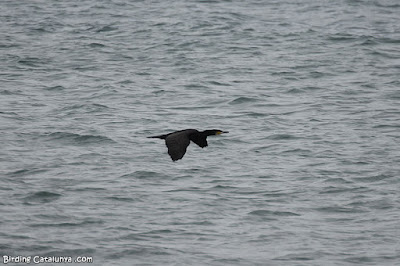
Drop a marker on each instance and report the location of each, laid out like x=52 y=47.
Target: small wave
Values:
x=55 y=88
x=335 y=189
x=96 y=45
x=88 y=108
x=195 y=86
x=342 y=37
x=297 y=257
x=294 y=91
x=386 y=54
x=374 y=178
x=222 y=187
x=337 y=209
x=255 y=114
x=33 y=62
x=303 y=89
x=106 y=28
x=41 y=197
x=219 y=83
x=272 y=213
x=297 y=151
x=387 y=4
x=6 y=92
x=241 y=100
x=12 y=116
x=68 y=224
x=123 y=199
x=143 y=174
x=369 y=42
x=73 y=138
x=282 y=136
x=201 y=223
x=337 y=180
x=140 y=251
x=24 y=172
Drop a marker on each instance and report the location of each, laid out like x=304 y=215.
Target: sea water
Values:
x=308 y=175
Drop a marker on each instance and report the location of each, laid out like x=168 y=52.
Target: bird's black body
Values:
x=177 y=142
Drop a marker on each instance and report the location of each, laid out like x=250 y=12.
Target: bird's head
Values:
x=214 y=132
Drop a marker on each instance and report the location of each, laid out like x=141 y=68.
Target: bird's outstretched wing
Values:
x=199 y=140
x=177 y=144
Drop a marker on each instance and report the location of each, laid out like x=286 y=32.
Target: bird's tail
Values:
x=158 y=137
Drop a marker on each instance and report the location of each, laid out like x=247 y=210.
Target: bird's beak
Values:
x=222 y=132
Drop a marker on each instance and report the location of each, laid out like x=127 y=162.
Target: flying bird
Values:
x=178 y=141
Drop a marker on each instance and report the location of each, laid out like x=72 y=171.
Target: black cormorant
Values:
x=178 y=141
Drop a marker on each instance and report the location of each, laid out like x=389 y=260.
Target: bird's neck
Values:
x=207 y=133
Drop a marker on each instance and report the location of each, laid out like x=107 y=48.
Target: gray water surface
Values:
x=309 y=91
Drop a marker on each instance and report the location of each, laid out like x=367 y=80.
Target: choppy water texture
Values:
x=309 y=90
